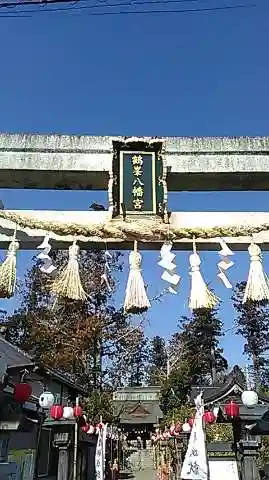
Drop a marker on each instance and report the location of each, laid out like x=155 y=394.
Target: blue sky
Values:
x=203 y=74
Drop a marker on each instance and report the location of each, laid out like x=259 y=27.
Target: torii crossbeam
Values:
x=85 y=162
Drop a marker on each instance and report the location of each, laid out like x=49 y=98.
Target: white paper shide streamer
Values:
x=195 y=466
x=225 y=263
x=167 y=262
x=200 y=295
x=136 y=300
x=257 y=288
x=105 y=274
x=47 y=264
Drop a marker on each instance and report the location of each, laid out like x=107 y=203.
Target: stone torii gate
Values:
x=86 y=162
x=137 y=196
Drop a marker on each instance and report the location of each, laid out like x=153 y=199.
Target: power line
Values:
x=129 y=12
x=97 y=5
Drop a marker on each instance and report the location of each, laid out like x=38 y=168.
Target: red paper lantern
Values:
x=209 y=417
x=22 y=392
x=191 y=421
x=56 y=412
x=85 y=427
x=231 y=409
x=77 y=411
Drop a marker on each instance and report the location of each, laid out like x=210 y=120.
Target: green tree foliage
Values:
x=198 y=358
x=179 y=414
x=99 y=405
x=158 y=361
x=199 y=345
x=252 y=322
x=176 y=388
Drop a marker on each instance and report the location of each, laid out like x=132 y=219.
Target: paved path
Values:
x=141 y=466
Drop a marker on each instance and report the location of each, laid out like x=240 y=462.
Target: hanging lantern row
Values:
x=174 y=431
x=177 y=428
x=92 y=429
x=231 y=410
x=58 y=412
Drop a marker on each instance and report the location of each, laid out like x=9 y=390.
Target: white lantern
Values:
x=249 y=398
x=91 y=430
x=216 y=411
x=68 y=413
x=46 y=400
x=186 y=428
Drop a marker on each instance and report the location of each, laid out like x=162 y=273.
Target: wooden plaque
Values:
x=139 y=186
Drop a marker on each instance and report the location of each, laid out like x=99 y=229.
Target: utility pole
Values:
x=213 y=367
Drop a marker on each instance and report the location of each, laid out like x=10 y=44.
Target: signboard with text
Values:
x=223 y=469
x=139 y=185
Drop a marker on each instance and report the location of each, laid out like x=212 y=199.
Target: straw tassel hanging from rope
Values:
x=257 y=288
x=136 y=300
x=200 y=296
x=8 y=270
x=68 y=283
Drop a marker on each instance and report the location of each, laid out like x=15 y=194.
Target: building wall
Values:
x=23 y=440
x=22 y=451
x=22 y=445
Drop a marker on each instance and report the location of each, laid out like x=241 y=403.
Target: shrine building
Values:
x=138 y=410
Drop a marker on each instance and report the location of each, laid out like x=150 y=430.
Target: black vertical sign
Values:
x=139 y=186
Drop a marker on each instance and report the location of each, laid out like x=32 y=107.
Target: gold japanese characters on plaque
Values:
x=139 y=186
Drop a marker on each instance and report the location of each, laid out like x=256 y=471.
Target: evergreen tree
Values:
x=176 y=388
x=138 y=360
x=158 y=361
x=198 y=345
x=199 y=359
x=252 y=322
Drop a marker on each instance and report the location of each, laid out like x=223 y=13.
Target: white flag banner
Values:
x=104 y=446
x=100 y=453
x=195 y=465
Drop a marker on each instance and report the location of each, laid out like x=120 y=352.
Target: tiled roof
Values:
x=13 y=355
x=16 y=358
